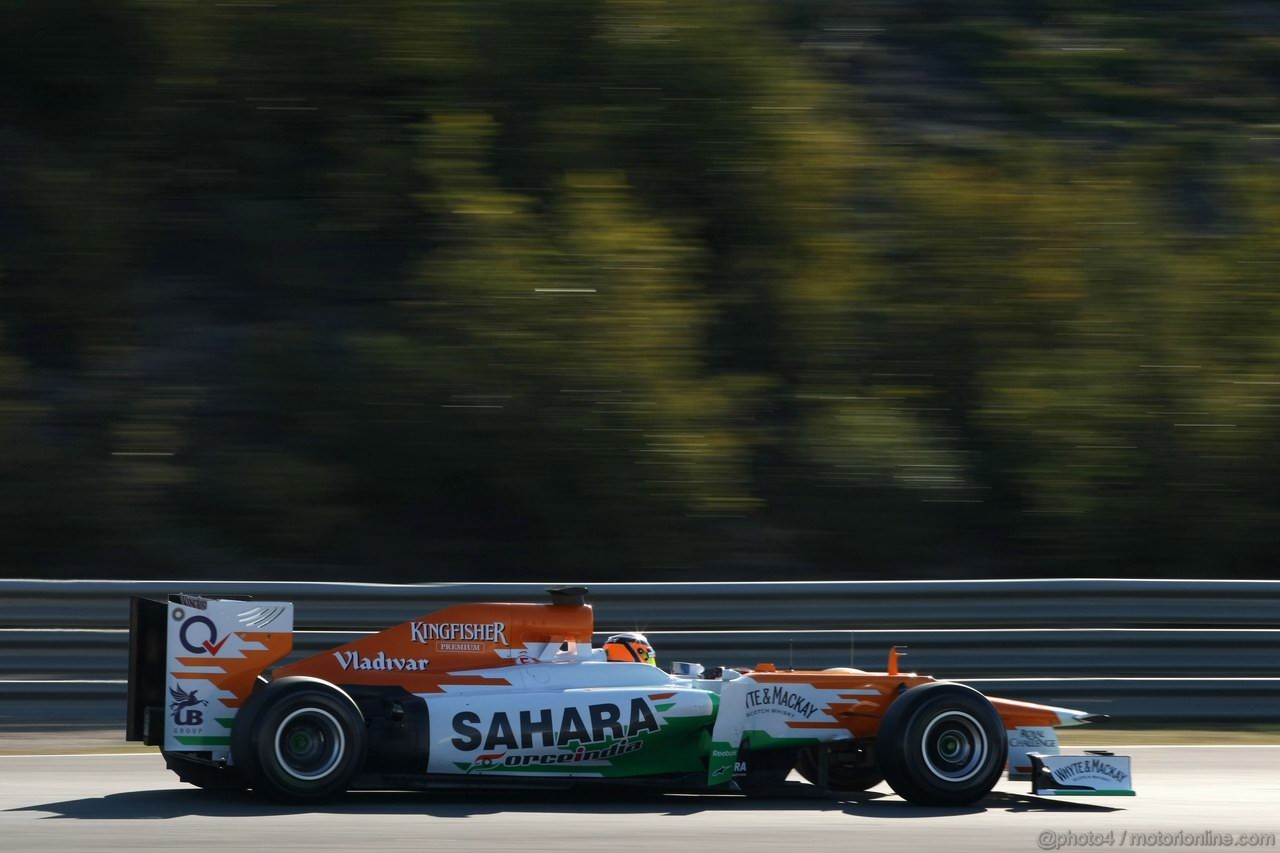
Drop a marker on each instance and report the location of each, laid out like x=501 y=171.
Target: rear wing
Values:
x=193 y=661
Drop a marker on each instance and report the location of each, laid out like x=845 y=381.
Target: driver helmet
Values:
x=630 y=647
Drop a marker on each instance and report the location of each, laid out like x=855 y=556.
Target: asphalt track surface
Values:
x=130 y=802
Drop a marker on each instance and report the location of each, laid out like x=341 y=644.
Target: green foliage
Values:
x=633 y=288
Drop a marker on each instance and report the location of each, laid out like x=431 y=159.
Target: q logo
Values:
x=212 y=645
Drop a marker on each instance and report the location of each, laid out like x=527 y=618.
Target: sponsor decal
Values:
x=183 y=707
x=199 y=636
x=1091 y=771
x=722 y=760
x=584 y=752
x=737 y=767
x=214 y=654
x=776 y=699
x=475 y=632
x=573 y=726
x=1033 y=738
x=355 y=661
x=1024 y=740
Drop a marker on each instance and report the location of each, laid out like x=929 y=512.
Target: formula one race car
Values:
x=512 y=694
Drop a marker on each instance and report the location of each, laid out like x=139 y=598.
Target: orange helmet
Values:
x=630 y=647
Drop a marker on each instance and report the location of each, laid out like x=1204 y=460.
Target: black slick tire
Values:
x=299 y=740
x=942 y=744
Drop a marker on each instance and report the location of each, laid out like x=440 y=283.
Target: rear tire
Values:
x=942 y=744
x=299 y=740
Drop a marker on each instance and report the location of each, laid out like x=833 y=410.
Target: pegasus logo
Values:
x=183 y=707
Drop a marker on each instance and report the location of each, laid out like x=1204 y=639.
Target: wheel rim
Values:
x=954 y=746
x=309 y=744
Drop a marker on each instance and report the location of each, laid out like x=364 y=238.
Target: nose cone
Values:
x=1016 y=713
x=1067 y=717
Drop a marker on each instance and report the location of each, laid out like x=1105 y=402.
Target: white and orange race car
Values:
x=511 y=694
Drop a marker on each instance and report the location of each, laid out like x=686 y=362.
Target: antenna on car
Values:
x=568 y=596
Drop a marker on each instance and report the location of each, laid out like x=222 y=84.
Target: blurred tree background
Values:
x=635 y=289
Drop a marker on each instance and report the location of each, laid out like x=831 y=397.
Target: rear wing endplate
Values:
x=193 y=661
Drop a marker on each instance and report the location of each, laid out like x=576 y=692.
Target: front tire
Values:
x=942 y=744
x=299 y=740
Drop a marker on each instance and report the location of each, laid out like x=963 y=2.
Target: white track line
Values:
x=78 y=754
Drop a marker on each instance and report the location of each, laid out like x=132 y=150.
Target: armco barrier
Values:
x=1162 y=649
x=1077 y=603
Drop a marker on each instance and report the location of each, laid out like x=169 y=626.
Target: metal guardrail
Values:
x=837 y=605
x=1162 y=649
